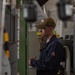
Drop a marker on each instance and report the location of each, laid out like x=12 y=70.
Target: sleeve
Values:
x=49 y=60
x=38 y=64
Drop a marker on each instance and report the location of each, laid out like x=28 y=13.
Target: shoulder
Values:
x=59 y=43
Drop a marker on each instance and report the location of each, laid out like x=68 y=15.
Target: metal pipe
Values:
x=13 y=4
x=2 y=10
x=44 y=8
x=67 y=69
x=40 y=14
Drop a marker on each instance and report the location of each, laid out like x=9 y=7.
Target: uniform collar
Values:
x=52 y=38
x=46 y=44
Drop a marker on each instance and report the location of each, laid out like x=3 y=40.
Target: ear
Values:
x=51 y=28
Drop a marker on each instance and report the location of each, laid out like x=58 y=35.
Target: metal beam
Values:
x=74 y=45
x=2 y=17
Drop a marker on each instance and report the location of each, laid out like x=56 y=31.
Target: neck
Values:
x=49 y=37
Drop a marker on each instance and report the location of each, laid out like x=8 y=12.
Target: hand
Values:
x=29 y=62
x=33 y=58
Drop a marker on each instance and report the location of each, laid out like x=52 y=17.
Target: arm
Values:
x=49 y=59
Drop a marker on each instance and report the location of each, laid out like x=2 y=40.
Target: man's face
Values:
x=45 y=32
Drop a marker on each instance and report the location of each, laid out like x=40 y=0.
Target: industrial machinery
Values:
x=8 y=38
x=19 y=41
x=67 y=9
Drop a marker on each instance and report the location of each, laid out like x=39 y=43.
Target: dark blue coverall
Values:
x=50 y=58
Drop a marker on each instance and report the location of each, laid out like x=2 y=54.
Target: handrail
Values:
x=67 y=69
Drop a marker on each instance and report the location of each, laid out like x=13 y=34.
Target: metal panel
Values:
x=11 y=27
x=13 y=58
x=34 y=47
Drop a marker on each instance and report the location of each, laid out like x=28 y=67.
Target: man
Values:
x=51 y=52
